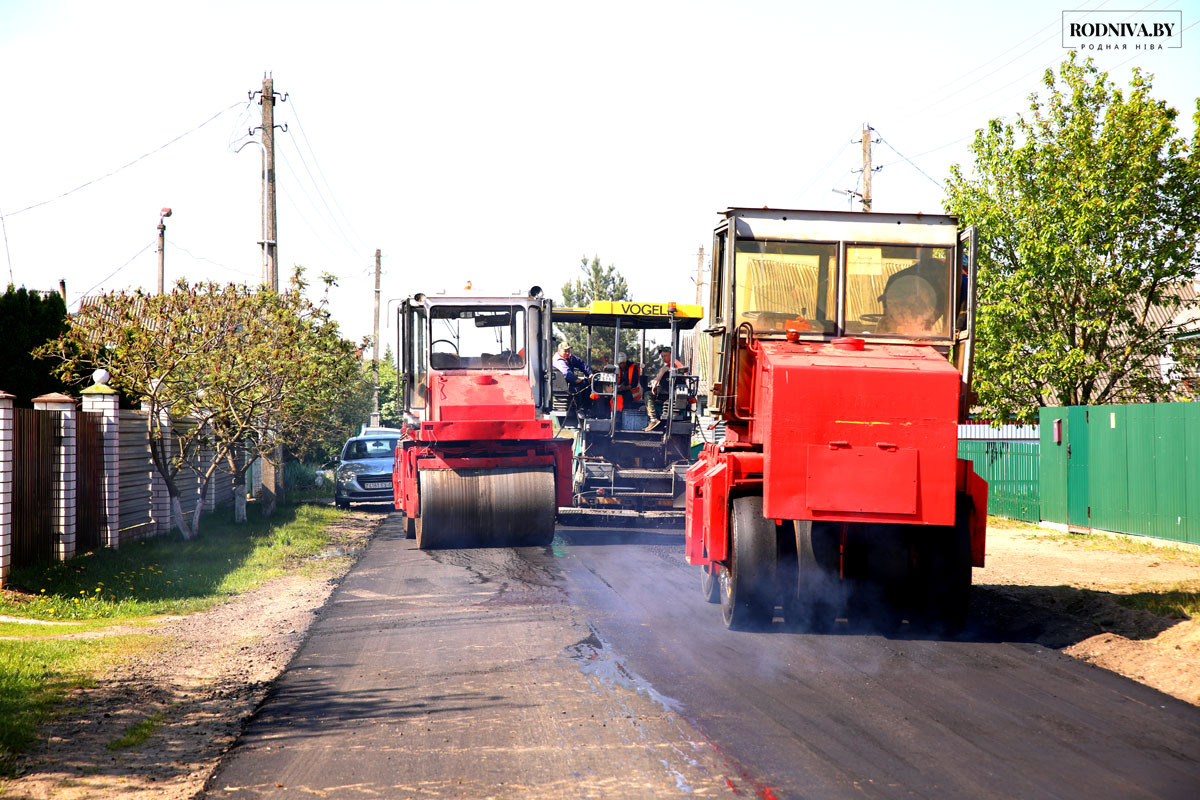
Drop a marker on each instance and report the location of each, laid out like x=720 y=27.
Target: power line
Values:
x=4 y=226
x=321 y=195
x=906 y=158
x=152 y=243
x=974 y=82
x=932 y=150
x=283 y=191
x=126 y=166
x=321 y=172
x=189 y=253
x=1023 y=76
x=817 y=175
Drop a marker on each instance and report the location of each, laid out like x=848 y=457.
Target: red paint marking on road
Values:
x=760 y=789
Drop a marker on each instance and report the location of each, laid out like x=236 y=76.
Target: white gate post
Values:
x=104 y=399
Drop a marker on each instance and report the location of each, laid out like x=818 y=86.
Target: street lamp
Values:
x=162 y=240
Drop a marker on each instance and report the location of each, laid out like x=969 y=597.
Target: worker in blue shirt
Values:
x=576 y=371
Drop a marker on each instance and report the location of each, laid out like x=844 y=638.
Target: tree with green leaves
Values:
x=389 y=390
x=29 y=320
x=595 y=283
x=250 y=369
x=1088 y=213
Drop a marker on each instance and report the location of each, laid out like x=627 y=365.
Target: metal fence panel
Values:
x=137 y=475
x=1170 y=498
x=1142 y=468
x=1140 y=433
x=1052 y=470
x=1191 y=485
x=1108 y=473
x=1011 y=470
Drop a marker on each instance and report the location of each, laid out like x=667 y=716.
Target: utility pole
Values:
x=866 y=154
x=375 y=360
x=270 y=252
x=700 y=277
x=162 y=243
x=272 y=466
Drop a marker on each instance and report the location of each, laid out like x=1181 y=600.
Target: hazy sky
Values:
x=491 y=142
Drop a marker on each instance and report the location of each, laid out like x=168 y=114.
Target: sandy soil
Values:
x=213 y=668
x=1072 y=584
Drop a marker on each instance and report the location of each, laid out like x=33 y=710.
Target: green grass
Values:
x=168 y=575
x=138 y=732
x=35 y=677
x=1136 y=545
x=1120 y=544
x=141 y=580
x=1181 y=601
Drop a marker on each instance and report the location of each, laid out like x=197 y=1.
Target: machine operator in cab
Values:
x=656 y=400
x=576 y=373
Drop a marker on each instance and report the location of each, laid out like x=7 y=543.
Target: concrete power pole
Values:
x=700 y=277
x=375 y=359
x=866 y=154
x=272 y=466
x=270 y=251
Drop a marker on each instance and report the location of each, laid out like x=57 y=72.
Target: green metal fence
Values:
x=1011 y=470
x=1131 y=469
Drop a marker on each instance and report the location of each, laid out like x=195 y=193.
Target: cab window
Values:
x=785 y=285
x=898 y=290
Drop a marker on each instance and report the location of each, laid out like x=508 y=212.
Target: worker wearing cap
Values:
x=629 y=381
x=571 y=366
x=657 y=397
x=575 y=370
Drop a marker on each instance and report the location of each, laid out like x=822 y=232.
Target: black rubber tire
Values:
x=344 y=505
x=944 y=570
x=710 y=583
x=748 y=582
x=410 y=528
x=818 y=595
x=877 y=564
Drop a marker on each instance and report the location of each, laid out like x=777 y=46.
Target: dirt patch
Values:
x=1063 y=592
x=212 y=669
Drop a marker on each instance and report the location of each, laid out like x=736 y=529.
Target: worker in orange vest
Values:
x=629 y=381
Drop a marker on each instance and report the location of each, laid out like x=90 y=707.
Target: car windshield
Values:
x=359 y=449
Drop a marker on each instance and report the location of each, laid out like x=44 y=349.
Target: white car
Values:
x=364 y=472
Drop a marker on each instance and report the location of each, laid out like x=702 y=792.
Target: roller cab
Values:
x=839 y=350
x=478 y=465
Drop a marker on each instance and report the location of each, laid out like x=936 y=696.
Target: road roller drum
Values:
x=492 y=507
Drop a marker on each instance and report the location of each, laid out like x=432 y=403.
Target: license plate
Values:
x=374 y=485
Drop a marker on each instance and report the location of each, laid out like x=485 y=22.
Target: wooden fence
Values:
x=35 y=442
x=73 y=481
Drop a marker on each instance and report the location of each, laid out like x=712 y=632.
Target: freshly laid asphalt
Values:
x=593 y=668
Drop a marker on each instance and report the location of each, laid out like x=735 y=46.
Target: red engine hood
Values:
x=484 y=405
x=857 y=435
